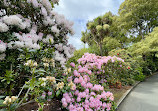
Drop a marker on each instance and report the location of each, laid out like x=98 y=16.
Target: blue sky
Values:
x=81 y=11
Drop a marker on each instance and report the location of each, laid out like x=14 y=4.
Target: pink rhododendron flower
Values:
x=89 y=85
x=78 y=99
x=72 y=64
x=64 y=104
x=76 y=80
x=76 y=73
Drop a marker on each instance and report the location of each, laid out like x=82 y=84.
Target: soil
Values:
x=53 y=105
x=119 y=92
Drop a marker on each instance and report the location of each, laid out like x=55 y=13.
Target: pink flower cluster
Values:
x=87 y=100
x=91 y=60
x=86 y=97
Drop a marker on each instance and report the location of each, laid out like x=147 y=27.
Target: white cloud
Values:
x=80 y=11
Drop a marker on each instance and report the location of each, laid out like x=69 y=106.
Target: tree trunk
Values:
x=101 y=52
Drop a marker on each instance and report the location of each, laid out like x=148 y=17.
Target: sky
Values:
x=82 y=11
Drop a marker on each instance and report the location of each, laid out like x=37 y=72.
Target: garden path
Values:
x=144 y=97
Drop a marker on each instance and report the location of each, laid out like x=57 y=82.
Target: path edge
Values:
x=126 y=94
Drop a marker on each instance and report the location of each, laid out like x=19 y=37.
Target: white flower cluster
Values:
x=48 y=21
x=60 y=20
x=26 y=41
x=54 y=29
x=17 y=21
x=59 y=47
x=9 y=100
x=68 y=51
x=50 y=17
x=12 y=20
x=47 y=5
x=48 y=39
x=60 y=57
x=31 y=63
x=3 y=27
x=3 y=46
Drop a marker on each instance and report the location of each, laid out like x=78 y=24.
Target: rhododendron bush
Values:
x=83 y=95
x=86 y=80
x=107 y=69
x=33 y=45
x=136 y=64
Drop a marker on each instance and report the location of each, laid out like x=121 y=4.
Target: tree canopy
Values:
x=146 y=46
x=138 y=17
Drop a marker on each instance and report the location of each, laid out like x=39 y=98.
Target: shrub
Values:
x=136 y=64
x=112 y=69
x=33 y=45
x=82 y=94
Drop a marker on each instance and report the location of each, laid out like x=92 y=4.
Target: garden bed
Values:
x=53 y=105
x=118 y=93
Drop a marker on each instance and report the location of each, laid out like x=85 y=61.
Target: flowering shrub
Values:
x=83 y=95
x=135 y=65
x=33 y=45
x=107 y=69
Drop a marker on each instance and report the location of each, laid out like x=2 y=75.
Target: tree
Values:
x=110 y=44
x=147 y=46
x=97 y=33
x=138 y=17
x=97 y=30
x=146 y=51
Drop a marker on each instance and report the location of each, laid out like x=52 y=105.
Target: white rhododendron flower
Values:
x=59 y=47
x=9 y=100
x=12 y=20
x=47 y=4
x=3 y=27
x=44 y=11
x=17 y=20
x=54 y=29
x=48 y=39
x=3 y=46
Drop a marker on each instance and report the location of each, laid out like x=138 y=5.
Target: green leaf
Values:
x=1 y=103
x=20 y=50
x=58 y=93
x=2 y=97
x=32 y=83
x=13 y=106
x=32 y=50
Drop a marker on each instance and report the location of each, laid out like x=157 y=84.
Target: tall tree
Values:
x=139 y=17
x=97 y=30
x=103 y=27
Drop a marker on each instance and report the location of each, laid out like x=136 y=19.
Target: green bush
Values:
x=138 y=67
